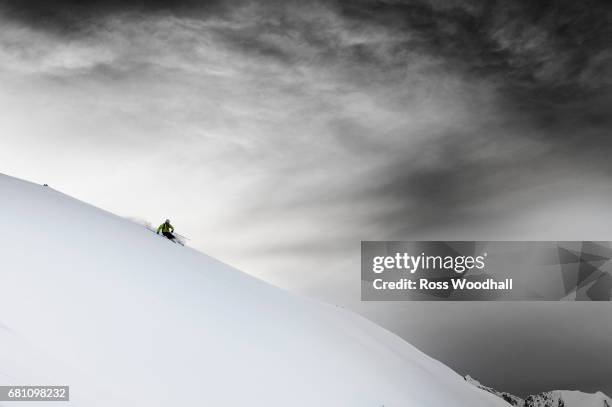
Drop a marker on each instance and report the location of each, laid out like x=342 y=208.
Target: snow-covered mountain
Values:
x=510 y=398
x=555 y=398
x=127 y=318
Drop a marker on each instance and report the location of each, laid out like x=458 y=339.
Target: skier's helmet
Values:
x=167 y=220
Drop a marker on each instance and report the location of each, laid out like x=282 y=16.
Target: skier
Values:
x=166 y=229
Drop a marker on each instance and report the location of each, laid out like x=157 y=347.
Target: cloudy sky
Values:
x=279 y=134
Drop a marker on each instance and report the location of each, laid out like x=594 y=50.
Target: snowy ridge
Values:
x=510 y=398
x=555 y=398
x=126 y=318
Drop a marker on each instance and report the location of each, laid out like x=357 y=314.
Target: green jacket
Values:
x=165 y=227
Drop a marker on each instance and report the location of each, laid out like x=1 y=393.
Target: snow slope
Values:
x=127 y=318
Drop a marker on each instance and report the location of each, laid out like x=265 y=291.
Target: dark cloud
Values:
x=536 y=46
x=550 y=65
x=545 y=42
x=71 y=16
x=537 y=146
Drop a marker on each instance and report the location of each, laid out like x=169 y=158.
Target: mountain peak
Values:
x=554 y=398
